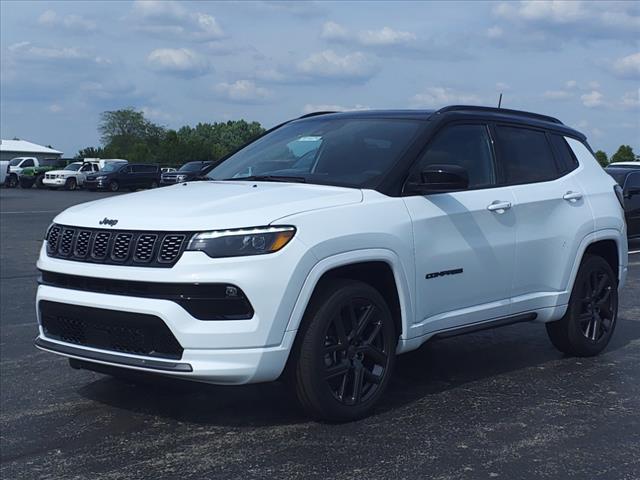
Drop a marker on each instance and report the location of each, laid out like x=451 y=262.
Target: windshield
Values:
x=112 y=167
x=191 y=167
x=73 y=166
x=344 y=151
x=15 y=161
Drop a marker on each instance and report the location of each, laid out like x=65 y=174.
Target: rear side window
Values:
x=467 y=146
x=566 y=159
x=525 y=155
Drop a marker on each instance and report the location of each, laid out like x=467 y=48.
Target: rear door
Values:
x=464 y=246
x=550 y=211
x=632 y=204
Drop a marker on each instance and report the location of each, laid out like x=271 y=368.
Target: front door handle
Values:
x=572 y=196
x=499 y=206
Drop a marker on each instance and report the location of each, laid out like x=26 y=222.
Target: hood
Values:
x=208 y=205
x=61 y=172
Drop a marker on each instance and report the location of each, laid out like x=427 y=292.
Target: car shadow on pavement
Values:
x=436 y=367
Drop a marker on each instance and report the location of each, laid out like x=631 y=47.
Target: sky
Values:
x=63 y=63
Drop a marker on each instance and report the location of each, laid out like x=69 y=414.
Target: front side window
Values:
x=467 y=146
x=633 y=182
x=346 y=151
x=526 y=155
x=27 y=163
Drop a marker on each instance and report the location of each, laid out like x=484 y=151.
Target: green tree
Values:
x=602 y=158
x=90 y=152
x=624 y=154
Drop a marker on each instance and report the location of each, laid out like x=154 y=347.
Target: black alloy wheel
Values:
x=345 y=351
x=587 y=326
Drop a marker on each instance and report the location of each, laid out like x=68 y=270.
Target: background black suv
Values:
x=187 y=172
x=628 y=177
x=132 y=176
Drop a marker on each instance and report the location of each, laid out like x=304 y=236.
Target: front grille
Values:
x=113 y=330
x=149 y=249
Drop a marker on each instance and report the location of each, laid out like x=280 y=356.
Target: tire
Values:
x=40 y=181
x=154 y=184
x=26 y=182
x=591 y=317
x=114 y=186
x=71 y=184
x=340 y=373
x=11 y=181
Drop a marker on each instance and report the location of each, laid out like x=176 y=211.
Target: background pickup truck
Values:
x=30 y=175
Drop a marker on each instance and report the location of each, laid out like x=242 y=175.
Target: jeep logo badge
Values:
x=108 y=221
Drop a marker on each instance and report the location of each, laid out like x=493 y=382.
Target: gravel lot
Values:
x=496 y=404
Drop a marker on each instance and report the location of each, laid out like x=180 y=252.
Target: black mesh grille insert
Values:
x=101 y=245
x=144 y=247
x=82 y=243
x=116 y=247
x=112 y=330
x=121 y=246
x=66 y=241
x=171 y=248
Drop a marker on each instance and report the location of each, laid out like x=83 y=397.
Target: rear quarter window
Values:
x=567 y=161
x=525 y=155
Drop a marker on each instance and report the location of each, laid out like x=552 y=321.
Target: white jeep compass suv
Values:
x=336 y=241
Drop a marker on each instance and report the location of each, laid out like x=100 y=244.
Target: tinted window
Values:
x=27 y=163
x=334 y=151
x=526 y=155
x=633 y=181
x=467 y=146
x=192 y=167
x=565 y=157
x=618 y=175
x=143 y=168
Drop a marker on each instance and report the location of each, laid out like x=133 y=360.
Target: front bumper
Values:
x=95 y=184
x=54 y=182
x=214 y=351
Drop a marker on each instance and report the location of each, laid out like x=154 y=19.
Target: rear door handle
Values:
x=572 y=196
x=498 y=206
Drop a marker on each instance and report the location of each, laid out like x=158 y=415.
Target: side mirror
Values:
x=440 y=179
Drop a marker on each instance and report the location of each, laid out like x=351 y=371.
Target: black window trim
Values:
x=453 y=123
x=628 y=176
x=546 y=132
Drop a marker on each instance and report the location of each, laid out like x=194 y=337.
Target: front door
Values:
x=464 y=241
x=632 y=204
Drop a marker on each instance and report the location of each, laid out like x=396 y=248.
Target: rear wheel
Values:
x=345 y=353
x=154 y=184
x=588 y=324
x=71 y=184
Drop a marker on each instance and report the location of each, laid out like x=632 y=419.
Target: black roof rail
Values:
x=519 y=113
x=315 y=114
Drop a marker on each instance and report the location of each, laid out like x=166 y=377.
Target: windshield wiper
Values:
x=270 y=178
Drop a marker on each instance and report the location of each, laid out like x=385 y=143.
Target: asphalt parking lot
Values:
x=496 y=404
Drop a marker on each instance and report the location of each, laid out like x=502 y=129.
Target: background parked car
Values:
x=70 y=177
x=187 y=172
x=4 y=169
x=168 y=169
x=34 y=175
x=116 y=175
x=16 y=165
x=627 y=174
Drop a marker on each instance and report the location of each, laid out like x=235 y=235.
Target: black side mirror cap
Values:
x=440 y=179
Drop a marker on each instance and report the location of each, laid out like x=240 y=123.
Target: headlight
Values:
x=241 y=242
x=181 y=178
x=101 y=177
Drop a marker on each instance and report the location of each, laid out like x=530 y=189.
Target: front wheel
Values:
x=114 y=186
x=71 y=184
x=588 y=324
x=11 y=181
x=346 y=352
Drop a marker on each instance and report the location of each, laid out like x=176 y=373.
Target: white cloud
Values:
x=384 y=37
x=50 y=18
x=557 y=95
x=55 y=108
x=631 y=100
x=34 y=53
x=168 y=18
x=433 y=97
x=243 y=91
x=330 y=65
x=310 y=108
x=179 y=61
x=495 y=32
x=593 y=99
x=628 y=67
x=156 y=114
x=502 y=86
x=571 y=84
